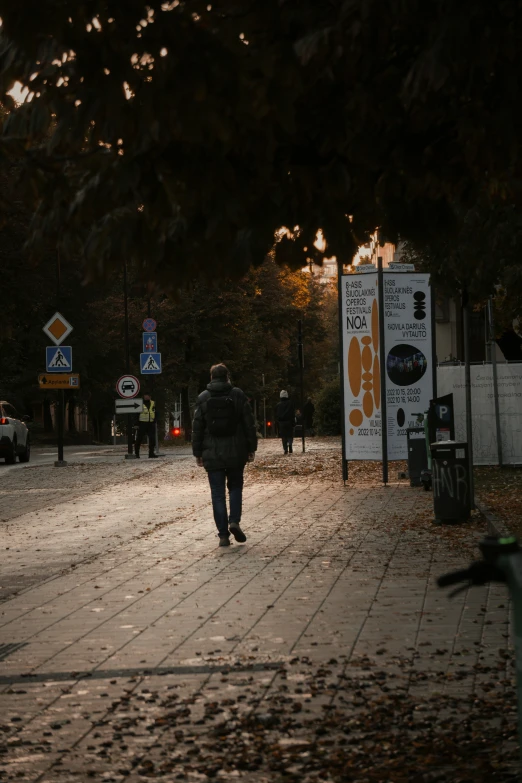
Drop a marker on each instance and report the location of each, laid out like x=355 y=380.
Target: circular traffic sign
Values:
x=128 y=386
x=149 y=325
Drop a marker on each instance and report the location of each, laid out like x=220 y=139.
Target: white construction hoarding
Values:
x=450 y=380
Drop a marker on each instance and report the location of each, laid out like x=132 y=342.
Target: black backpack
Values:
x=221 y=416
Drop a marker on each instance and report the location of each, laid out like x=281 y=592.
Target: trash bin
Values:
x=417 y=454
x=450 y=480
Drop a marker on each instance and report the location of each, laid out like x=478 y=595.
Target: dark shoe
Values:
x=224 y=541
x=153 y=456
x=237 y=532
x=290 y=450
x=137 y=456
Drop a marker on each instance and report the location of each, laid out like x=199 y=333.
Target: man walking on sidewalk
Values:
x=223 y=440
x=147 y=426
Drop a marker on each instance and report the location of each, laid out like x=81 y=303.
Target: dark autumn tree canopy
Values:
x=480 y=259
x=182 y=135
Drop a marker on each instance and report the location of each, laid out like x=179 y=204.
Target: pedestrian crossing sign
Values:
x=58 y=359
x=150 y=363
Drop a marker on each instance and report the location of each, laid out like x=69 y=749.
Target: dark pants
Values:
x=233 y=477
x=147 y=428
x=287 y=443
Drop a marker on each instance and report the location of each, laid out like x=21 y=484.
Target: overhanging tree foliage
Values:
x=182 y=135
x=480 y=259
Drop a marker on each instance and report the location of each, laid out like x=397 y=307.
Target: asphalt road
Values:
x=75 y=454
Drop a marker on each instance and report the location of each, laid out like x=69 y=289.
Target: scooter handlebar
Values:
x=479 y=573
x=454 y=578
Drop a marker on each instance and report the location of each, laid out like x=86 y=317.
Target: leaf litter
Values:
x=338 y=721
x=361 y=720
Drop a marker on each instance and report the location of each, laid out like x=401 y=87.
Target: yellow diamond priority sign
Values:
x=57 y=328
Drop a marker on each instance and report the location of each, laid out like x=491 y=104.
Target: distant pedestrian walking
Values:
x=147 y=426
x=285 y=414
x=223 y=440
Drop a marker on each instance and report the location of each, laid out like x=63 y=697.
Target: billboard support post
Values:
x=342 y=366
x=382 y=355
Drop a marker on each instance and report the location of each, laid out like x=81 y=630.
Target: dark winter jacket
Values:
x=230 y=451
x=285 y=415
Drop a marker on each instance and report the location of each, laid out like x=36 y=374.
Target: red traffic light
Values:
x=176 y=431
x=269 y=424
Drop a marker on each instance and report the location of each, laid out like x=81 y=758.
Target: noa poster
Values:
x=361 y=365
x=408 y=369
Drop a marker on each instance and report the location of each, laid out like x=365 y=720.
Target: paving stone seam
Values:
x=420 y=622
x=386 y=568
x=88 y=561
x=489 y=598
x=303 y=568
x=347 y=563
x=264 y=567
x=48 y=706
x=90 y=558
x=161 y=584
x=127 y=606
x=202 y=686
x=265 y=695
x=142 y=671
x=198 y=691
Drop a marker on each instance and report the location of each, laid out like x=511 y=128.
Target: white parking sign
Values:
x=128 y=386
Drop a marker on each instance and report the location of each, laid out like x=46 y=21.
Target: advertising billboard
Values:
x=408 y=360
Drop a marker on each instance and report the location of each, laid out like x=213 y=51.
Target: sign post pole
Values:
x=384 y=418
x=57 y=360
x=493 y=352
x=433 y=338
x=61 y=415
x=150 y=364
x=129 y=454
x=467 y=383
x=61 y=404
x=342 y=366
x=152 y=390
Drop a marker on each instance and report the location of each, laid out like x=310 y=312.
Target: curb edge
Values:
x=496 y=525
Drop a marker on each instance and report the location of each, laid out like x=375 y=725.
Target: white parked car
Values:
x=14 y=435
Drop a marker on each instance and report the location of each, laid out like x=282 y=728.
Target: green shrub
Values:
x=328 y=409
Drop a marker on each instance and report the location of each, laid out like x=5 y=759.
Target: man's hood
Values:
x=219 y=387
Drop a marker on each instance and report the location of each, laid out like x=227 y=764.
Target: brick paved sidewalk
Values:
x=101 y=653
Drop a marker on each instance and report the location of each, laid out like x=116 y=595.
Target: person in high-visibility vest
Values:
x=147 y=426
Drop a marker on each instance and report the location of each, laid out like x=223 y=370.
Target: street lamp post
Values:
x=264 y=407
x=300 y=358
x=60 y=408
